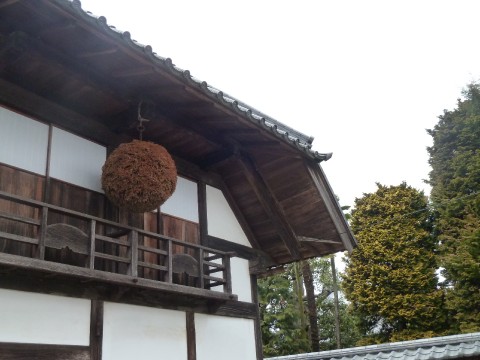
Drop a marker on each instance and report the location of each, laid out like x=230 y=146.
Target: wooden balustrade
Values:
x=105 y=247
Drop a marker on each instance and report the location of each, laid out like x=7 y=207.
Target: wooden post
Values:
x=170 y=262
x=201 y=269
x=191 y=336
x=227 y=287
x=43 y=233
x=91 y=255
x=133 y=240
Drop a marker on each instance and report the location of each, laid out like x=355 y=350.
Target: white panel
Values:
x=220 y=338
x=222 y=222
x=241 y=279
x=76 y=160
x=139 y=332
x=23 y=142
x=184 y=201
x=43 y=319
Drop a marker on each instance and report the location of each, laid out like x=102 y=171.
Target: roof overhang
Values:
x=68 y=67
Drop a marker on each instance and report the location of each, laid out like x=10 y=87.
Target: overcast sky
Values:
x=365 y=78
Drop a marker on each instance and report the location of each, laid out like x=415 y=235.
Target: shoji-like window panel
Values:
x=43 y=319
x=23 y=142
x=76 y=160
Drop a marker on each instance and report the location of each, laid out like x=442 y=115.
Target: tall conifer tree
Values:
x=390 y=277
x=455 y=180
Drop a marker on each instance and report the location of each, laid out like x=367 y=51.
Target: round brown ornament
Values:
x=139 y=176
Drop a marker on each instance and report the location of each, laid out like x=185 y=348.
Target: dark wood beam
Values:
x=8 y=3
x=314 y=240
x=331 y=204
x=216 y=158
x=99 y=52
x=15 y=351
x=42 y=109
x=271 y=206
x=137 y=71
x=241 y=251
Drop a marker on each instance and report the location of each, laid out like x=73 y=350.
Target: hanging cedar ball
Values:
x=139 y=176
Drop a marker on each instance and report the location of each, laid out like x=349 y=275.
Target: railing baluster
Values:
x=91 y=255
x=227 y=287
x=200 y=264
x=170 y=262
x=43 y=233
x=133 y=252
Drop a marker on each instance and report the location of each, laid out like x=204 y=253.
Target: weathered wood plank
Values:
x=86 y=274
x=271 y=207
x=96 y=330
x=17 y=351
x=191 y=336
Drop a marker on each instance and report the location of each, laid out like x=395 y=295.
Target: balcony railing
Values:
x=54 y=239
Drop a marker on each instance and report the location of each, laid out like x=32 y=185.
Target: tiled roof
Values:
x=294 y=138
x=447 y=347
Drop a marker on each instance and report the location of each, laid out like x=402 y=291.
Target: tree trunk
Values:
x=311 y=306
x=335 y=292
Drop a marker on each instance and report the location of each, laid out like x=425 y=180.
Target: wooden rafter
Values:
x=271 y=206
x=331 y=204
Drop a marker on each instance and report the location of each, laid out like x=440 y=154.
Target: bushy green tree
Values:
x=455 y=181
x=284 y=311
x=390 y=277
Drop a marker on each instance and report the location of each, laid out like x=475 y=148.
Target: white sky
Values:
x=365 y=78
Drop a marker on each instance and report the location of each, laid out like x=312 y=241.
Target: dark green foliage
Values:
x=455 y=180
x=284 y=317
x=390 y=278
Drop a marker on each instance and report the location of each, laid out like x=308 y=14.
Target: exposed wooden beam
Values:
x=8 y=3
x=216 y=158
x=100 y=52
x=314 y=240
x=48 y=111
x=331 y=204
x=271 y=206
x=59 y=27
x=136 y=71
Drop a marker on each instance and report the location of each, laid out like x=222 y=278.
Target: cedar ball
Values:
x=139 y=176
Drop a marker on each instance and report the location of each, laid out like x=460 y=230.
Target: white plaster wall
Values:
x=241 y=279
x=139 y=332
x=23 y=142
x=222 y=222
x=241 y=285
x=220 y=338
x=76 y=160
x=43 y=319
x=184 y=201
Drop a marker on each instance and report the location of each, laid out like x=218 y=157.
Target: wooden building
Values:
x=83 y=279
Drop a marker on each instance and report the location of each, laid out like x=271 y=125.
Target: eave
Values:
x=65 y=66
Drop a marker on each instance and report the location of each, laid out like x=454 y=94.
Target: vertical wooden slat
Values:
x=227 y=287
x=43 y=233
x=202 y=212
x=46 y=192
x=170 y=262
x=191 y=336
x=91 y=255
x=133 y=252
x=96 y=330
x=201 y=257
x=257 y=326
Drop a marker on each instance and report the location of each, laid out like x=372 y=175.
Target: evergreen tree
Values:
x=284 y=311
x=455 y=181
x=390 y=277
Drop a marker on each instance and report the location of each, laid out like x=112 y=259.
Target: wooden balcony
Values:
x=58 y=242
